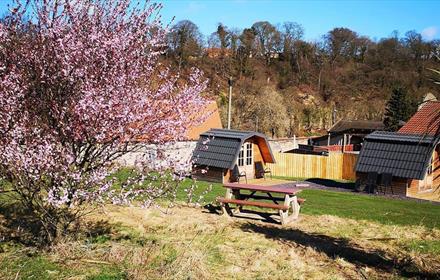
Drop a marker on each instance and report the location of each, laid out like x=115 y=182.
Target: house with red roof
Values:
x=176 y=152
x=426 y=122
x=405 y=162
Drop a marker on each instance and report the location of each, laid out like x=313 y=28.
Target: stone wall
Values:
x=286 y=144
x=155 y=156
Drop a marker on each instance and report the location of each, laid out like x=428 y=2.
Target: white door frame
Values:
x=245 y=160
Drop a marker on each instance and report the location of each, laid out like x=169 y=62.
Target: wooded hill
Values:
x=288 y=85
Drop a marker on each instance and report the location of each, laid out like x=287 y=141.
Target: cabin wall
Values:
x=420 y=186
x=431 y=181
x=264 y=149
x=210 y=174
x=226 y=175
x=398 y=186
x=413 y=188
x=257 y=153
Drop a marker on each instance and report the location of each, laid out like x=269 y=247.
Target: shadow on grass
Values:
x=338 y=247
x=247 y=214
x=22 y=226
x=96 y=229
x=327 y=183
x=19 y=225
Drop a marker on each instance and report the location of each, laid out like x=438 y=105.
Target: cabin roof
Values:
x=231 y=133
x=220 y=147
x=345 y=125
x=403 y=155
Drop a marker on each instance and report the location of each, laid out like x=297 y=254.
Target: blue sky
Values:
x=376 y=19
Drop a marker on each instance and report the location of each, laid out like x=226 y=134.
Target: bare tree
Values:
x=185 y=41
x=268 y=39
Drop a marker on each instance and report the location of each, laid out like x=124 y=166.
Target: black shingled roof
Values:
x=220 y=147
x=403 y=155
x=345 y=125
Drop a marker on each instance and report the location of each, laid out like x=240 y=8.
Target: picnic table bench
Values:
x=291 y=203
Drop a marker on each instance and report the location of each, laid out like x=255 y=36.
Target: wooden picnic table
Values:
x=291 y=203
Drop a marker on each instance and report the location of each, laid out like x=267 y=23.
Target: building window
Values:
x=245 y=155
x=248 y=153
x=241 y=157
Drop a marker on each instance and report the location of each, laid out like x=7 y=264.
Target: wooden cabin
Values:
x=410 y=155
x=219 y=150
x=412 y=161
x=347 y=132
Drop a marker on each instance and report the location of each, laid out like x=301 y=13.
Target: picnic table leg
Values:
x=284 y=215
x=290 y=202
x=226 y=210
x=238 y=208
x=295 y=207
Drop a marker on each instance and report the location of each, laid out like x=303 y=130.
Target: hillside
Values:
x=289 y=86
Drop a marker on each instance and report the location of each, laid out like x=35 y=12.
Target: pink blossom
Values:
x=79 y=87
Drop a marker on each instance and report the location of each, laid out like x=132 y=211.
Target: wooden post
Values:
x=225 y=206
x=343 y=143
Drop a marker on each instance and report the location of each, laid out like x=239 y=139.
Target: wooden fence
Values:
x=334 y=166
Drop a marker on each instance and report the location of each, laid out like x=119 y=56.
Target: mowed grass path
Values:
x=347 y=205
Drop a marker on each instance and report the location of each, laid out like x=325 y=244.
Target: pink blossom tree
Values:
x=80 y=84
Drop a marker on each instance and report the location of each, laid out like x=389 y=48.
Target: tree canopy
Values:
x=398 y=110
x=342 y=70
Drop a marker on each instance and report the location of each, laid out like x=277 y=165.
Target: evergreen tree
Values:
x=398 y=109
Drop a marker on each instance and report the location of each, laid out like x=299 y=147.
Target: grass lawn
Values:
x=339 y=236
x=342 y=204
x=372 y=208
x=191 y=243
x=346 y=205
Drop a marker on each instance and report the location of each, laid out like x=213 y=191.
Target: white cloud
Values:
x=194 y=7
x=429 y=32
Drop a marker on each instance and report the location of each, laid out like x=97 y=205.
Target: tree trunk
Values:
x=319 y=80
